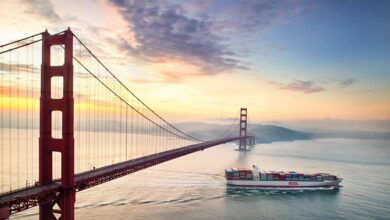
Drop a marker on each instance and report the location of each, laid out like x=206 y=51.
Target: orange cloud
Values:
x=174 y=70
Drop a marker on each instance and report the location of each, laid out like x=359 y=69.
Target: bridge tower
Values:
x=65 y=199
x=243 y=125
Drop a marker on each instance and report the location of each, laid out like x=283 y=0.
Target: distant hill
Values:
x=350 y=134
x=272 y=133
x=267 y=133
x=199 y=126
x=263 y=133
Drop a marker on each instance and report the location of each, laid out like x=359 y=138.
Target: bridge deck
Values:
x=26 y=198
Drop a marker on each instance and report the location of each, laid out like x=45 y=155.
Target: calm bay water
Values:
x=193 y=187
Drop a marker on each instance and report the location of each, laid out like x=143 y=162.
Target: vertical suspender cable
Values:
x=132 y=132
x=92 y=122
x=120 y=129
x=9 y=121
x=137 y=135
x=17 y=115
x=127 y=156
x=87 y=112
x=26 y=94
x=2 y=129
x=106 y=129
x=100 y=115
x=78 y=146
x=32 y=114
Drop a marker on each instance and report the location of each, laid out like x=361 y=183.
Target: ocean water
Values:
x=193 y=186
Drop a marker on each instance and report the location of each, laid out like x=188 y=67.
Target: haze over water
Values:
x=193 y=186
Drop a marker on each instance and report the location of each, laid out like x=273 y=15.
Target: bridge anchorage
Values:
x=143 y=137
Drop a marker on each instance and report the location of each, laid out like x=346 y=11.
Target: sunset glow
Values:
x=286 y=62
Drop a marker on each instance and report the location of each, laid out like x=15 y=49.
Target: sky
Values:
x=204 y=59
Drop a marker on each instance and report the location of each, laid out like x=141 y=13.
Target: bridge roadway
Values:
x=22 y=199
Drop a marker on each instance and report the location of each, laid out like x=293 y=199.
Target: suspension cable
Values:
x=13 y=42
x=14 y=48
x=118 y=96
x=26 y=44
x=120 y=82
x=229 y=128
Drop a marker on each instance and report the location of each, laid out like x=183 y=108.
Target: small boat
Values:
x=279 y=180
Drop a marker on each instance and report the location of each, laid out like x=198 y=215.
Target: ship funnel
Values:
x=255 y=172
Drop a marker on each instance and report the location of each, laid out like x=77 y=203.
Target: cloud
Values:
x=254 y=15
x=303 y=86
x=43 y=8
x=164 y=31
x=347 y=82
x=25 y=68
x=143 y=81
x=197 y=6
x=309 y=86
x=277 y=47
x=271 y=82
x=169 y=77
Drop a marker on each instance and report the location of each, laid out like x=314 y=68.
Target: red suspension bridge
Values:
x=91 y=127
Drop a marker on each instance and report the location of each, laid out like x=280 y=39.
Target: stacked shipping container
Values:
x=239 y=174
x=245 y=174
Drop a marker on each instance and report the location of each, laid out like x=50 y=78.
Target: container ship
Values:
x=279 y=180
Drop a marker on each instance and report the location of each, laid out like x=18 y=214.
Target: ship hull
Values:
x=285 y=184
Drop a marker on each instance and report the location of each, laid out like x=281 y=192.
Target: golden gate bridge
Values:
x=87 y=127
